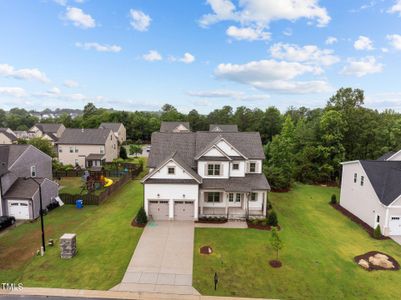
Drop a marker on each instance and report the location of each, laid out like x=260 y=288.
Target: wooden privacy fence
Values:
x=93 y=199
x=133 y=171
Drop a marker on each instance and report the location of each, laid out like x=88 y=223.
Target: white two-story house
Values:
x=208 y=173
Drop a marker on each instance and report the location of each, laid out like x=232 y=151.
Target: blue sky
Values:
x=140 y=54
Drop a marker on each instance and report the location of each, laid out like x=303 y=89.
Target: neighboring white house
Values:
x=118 y=129
x=371 y=190
x=87 y=147
x=197 y=174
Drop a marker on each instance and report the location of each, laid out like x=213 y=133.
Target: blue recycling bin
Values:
x=79 y=203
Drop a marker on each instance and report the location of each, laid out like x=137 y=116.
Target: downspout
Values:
x=1 y=196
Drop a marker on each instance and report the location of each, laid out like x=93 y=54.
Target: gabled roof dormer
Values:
x=221 y=145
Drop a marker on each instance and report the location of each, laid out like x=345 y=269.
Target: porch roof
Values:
x=249 y=183
x=95 y=156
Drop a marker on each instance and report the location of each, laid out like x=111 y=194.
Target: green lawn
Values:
x=105 y=239
x=319 y=246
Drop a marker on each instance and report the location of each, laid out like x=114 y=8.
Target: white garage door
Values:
x=184 y=210
x=18 y=209
x=395 y=225
x=158 y=209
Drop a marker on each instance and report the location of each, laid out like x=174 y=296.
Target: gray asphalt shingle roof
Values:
x=223 y=127
x=190 y=144
x=76 y=136
x=385 y=177
x=12 y=137
x=250 y=182
x=113 y=126
x=170 y=126
x=48 y=127
x=23 y=189
x=386 y=155
x=9 y=154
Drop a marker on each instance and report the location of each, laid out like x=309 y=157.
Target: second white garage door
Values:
x=184 y=210
x=158 y=209
x=395 y=225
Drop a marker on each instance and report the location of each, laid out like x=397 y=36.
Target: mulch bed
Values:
x=355 y=219
x=275 y=263
x=211 y=221
x=206 y=250
x=135 y=224
x=261 y=227
x=374 y=267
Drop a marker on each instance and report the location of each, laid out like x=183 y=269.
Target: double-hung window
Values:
x=171 y=170
x=213 y=197
x=362 y=180
x=213 y=170
x=355 y=177
x=231 y=197
x=33 y=171
x=252 y=167
x=237 y=197
x=71 y=149
x=254 y=196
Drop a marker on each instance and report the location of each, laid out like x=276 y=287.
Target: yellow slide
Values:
x=108 y=182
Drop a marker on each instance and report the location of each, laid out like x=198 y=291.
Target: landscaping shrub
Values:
x=123 y=153
x=333 y=199
x=377 y=232
x=141 y=217
x=272 y=219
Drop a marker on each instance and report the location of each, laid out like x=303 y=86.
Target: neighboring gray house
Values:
x=48 y=131
x=198 y=174
x=371 y=190
x=175 y=127
x=118 y=129
x=19 y=194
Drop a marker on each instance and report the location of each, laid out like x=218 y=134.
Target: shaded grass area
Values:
x=319 y=246
x=105 y=241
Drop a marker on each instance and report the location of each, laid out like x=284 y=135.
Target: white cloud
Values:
x=79 y=18
x=26 y=74
x=61 y=2
x=13 y=91
x=395 y=41
x=273 y=75
x=187 y=58
x=331 y=40
x=262 y=12
x=362 y=67
x=152 y=55
x=71 y=83
x=99 y=47
x=237 y=95
x=363 y=43
x=396 y=8
x=310 y=54
x=139 y=20
x=247 y=33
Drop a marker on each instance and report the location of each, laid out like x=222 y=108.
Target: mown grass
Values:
x=319 y=247
x=105 y=239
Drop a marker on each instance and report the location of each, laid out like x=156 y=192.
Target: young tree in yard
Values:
x=43 y=145
x=276 y=242
x=135 y=149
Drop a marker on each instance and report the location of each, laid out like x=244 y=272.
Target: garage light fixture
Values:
x=183 y=195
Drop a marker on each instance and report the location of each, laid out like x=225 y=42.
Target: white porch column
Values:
x=264 y=195
x=201 y=198
x=226 y=199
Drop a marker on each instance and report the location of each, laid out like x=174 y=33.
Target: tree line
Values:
x=301 y=144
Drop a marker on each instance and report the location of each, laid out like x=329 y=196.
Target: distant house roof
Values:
x=223 y=128
x=76 y=136
x=48 y=127
x=23 y=189
x=9 y=154
x=386 y=156
x=250 y=182
x=12 y=137
x=385 y=177
x=113 y=126
x=52 y=136
x=190 y=144
x=174 y=127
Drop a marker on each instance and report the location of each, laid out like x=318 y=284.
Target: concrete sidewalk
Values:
x=162 y=261
x=228 y=224
x=26 y=292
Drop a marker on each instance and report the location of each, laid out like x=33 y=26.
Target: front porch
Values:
x=232 y=205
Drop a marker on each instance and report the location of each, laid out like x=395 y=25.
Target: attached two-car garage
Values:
x=183 y=210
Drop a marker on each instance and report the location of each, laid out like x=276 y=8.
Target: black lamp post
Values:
x=41 y=212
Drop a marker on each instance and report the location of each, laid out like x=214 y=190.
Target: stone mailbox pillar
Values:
x=68 y=245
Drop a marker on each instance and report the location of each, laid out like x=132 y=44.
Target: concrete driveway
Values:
x=162 y=261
